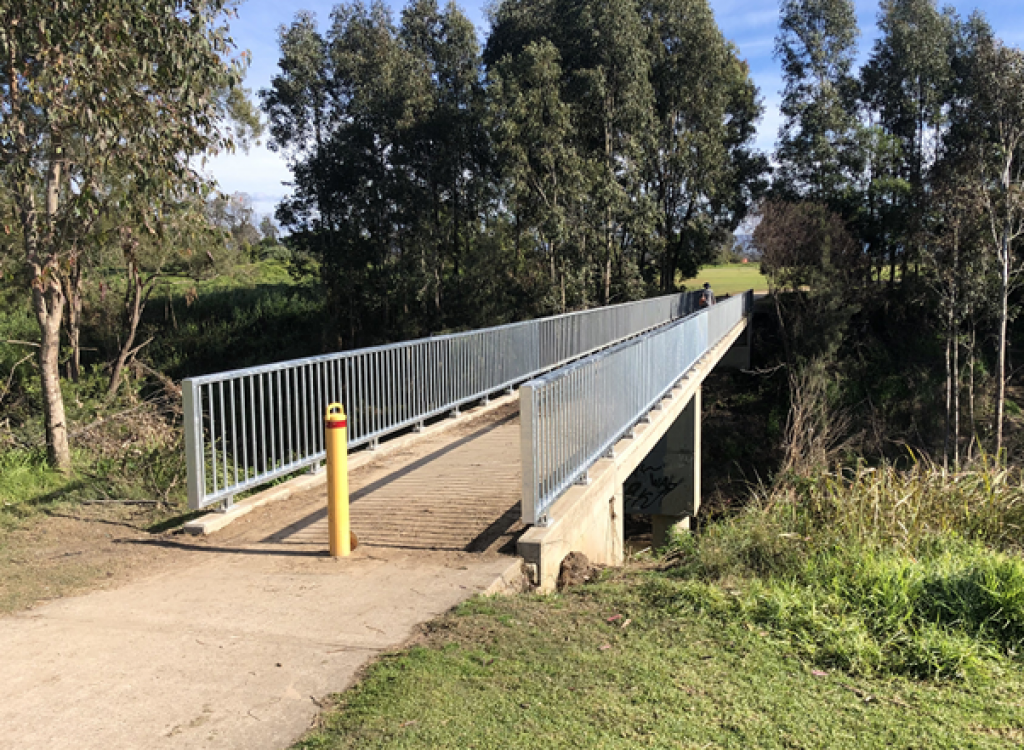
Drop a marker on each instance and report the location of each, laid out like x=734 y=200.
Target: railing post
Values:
x=527 y=449
x=192 y=423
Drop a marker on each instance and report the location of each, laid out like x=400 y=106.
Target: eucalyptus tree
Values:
x=604 y=47
x=131 y=88
x=382 y=123
x=547 y=176
x=332 y=110
x=447 y=145
x=998 y=92
x=702 y=170
x=819 y=150
x=298 y=110
x=906 y=87
x=958 y=272
x=605 y=82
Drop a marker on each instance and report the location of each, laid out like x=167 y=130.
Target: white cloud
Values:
x=258 y=173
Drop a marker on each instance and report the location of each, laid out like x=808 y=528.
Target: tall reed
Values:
x=906 y=506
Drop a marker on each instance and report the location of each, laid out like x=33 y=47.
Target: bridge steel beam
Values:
x=589 y=518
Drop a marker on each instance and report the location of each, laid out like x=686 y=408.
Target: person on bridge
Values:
x=707 y=297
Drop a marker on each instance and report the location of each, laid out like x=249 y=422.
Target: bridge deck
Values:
x=456 y=492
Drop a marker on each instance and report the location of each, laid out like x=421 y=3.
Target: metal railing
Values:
x=247 y=427
x=573 y=416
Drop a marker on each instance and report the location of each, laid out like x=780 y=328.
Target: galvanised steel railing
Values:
x=247 y=427
x=573 y=416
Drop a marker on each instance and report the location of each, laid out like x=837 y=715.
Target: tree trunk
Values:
x=970 y=388
x=956 y=394
x=48 y=304
x=955 y=326
x=134 y=304
x=949 y=393
x=1004 y=314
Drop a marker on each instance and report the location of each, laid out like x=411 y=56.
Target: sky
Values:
x=750 y=24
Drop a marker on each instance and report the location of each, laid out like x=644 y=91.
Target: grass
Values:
x=560 y=672
x=730 y=279
x=867 y=608
x=25 y=484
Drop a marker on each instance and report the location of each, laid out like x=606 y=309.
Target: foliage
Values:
x=703 y=172
x=917 y=156
x=424 y=167
x=905 y=86
x=818 y=149
x=812 y=265
x=104 y=105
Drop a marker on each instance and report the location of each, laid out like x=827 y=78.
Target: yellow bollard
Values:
x=341 y=540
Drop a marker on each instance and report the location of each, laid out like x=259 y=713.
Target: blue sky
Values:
x=750 y=24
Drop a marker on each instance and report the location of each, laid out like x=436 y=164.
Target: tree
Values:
x=180 y=241
x=392 y=183
x=998 y=86
x=605 y=85
x=702 y=170
x=819 y=151
x=957 y=269
x=604 y=46
x=536 y=144
x=235 y=216
x=906 y=86
x=126 y=88
x=813 y=265
x=446 y=146
x=268 y=230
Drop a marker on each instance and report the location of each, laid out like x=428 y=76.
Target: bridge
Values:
x=561 y=427
x=578 y=419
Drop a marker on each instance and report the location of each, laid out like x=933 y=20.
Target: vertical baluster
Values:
x=213 y=436
x=263 y=424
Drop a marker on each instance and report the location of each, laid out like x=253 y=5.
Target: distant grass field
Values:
x=730 y=279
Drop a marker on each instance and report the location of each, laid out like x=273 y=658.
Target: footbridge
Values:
x=578 y=420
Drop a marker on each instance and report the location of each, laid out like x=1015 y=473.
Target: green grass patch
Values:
x=954 y=612
x=732 y=278
x=27 y=484
x=870 y=608
x=644 y=660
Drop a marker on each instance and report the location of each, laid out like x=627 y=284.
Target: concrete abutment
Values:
x=590 y=518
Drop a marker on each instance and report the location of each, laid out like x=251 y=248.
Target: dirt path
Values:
x=231 y=642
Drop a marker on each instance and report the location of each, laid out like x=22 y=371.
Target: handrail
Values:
x=244 y=428
x=574 y=415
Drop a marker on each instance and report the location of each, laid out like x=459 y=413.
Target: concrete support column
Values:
x=663 y=526
x=666 y=485
x=738 y=356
